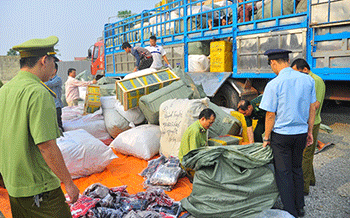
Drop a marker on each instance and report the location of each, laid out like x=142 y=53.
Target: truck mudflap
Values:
x=211 y=82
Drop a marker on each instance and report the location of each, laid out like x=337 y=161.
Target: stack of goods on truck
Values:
x=198 y=53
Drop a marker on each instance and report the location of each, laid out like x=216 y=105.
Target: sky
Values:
x=77 y=23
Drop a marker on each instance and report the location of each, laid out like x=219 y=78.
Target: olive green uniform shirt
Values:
x=257 y=113
x=194 y=137
x=27 y=118
x=320 y=88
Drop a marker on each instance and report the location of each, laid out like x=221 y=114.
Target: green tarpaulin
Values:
x=230 y=181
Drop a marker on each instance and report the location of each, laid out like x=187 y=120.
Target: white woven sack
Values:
x=142 y=141
x=198 y=63
x=83 y=153
x=140 y=73
x=114 y=121
x=92 y=123
x=175 y=116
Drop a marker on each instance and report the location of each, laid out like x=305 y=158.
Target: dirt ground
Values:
x=331 y=195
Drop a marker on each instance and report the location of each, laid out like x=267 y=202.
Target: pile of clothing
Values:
x=100 y=201
x=162 y=173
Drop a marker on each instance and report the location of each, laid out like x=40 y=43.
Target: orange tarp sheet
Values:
x=124 y=170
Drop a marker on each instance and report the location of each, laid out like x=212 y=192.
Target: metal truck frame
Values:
x=317 y=30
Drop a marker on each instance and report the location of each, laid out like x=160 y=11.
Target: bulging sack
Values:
x=114 y=121
x=83 y=153
x=224 y=123
x=142 y=141
x=175 y=116
x=92 y=123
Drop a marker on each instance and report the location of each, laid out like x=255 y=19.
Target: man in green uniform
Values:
x=1 y=84
x=195 y=135
x=308 y=155
x=251 y=111
x=30 y=161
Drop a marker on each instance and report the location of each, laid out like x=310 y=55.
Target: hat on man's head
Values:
x=275 y=54
x=37 y=47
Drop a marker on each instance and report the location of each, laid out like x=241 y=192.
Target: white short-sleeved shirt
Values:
x=289 y=95
x=157 y=53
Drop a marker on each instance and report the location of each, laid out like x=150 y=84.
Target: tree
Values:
x=12 y=52
x=125 y=14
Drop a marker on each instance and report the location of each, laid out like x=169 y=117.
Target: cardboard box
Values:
x=129 y=91
x=92 y=99
x=225 y=140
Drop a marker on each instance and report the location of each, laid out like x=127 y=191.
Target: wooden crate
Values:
x=129 y=91
x=92 y=99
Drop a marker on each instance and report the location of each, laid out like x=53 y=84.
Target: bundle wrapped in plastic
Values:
x=162 y=173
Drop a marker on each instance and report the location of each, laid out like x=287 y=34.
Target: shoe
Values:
x=301 y=212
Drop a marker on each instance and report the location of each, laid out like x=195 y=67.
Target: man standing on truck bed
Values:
x=289 y=100
x=158 y=53
x=308 y=155
x=31 y=163
x=143 y=57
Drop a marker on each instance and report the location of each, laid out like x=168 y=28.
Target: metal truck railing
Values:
x=317 y=30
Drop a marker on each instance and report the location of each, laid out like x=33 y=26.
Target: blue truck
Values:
x=317 y=30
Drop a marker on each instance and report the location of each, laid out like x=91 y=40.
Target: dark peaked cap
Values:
x=275 y=54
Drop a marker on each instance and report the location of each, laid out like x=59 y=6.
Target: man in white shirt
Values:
x=158 y=53
x=72 y=84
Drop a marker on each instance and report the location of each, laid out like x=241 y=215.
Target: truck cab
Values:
x=97 y=58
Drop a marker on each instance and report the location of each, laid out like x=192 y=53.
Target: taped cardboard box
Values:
x=225 y=140
x=129 y=91
x=92 y=99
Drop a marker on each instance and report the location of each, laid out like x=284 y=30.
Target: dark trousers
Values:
x=59 y=117
x=145 y=63
x=308 y=159
x=258 y=131
x=53 y=205
x=288 y=156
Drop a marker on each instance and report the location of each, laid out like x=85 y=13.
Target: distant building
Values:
x=80 y=58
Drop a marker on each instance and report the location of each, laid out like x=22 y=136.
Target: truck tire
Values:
x=226 y=96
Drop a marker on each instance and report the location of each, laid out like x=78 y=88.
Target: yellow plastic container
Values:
x=220 y=46
x=241 y=118
x=221 y=62
x=221 y=56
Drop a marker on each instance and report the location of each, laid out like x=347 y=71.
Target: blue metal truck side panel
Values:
x=185 y=21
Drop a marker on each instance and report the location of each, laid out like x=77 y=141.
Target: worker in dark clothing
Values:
x=251 y=111
x=143 y=57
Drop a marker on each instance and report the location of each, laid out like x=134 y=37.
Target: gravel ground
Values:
x=331 y=195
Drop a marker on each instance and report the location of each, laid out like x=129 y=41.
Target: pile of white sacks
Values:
x=85 y=153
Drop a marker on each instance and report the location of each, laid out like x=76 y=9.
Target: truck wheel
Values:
x=226 y=96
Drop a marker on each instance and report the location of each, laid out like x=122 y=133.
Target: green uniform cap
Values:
x=37 y=47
